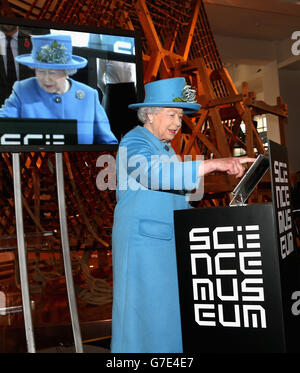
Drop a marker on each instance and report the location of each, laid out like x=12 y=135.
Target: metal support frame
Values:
x=65 y=250
x=22 y=254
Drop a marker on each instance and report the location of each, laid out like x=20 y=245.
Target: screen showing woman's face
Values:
x=52 y=81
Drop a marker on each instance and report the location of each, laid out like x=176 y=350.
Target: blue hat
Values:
x=172 y=92
x=52 y=52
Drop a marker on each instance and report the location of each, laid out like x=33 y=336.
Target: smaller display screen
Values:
x=250 y=180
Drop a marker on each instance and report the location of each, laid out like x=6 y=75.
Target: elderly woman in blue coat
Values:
x=152 y=183
x=53 y=94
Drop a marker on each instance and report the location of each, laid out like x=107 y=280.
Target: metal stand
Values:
x=65 y=250
x=22 y=254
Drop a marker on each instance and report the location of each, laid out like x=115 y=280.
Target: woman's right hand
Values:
x=232 y=165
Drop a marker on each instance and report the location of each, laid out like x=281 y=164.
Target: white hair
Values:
x=71 y=72
x=144 y=111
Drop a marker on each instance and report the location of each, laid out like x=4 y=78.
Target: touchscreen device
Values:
x=249 y=181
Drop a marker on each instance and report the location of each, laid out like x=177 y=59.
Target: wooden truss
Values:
x=216 y=129
x=176 y=41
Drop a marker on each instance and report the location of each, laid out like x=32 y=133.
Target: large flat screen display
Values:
x=114 y=70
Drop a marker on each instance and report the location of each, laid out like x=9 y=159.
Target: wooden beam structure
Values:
x=177 y=41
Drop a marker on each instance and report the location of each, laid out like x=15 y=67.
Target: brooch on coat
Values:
x=80 y=94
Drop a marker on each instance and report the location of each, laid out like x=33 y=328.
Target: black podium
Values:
x=238 y=272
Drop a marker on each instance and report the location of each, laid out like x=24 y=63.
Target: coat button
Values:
x=57 y=99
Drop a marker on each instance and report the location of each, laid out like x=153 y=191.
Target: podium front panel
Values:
x=229 y=280
x=288 y=252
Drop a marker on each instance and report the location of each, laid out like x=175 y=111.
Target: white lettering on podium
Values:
x=227 y=276
x=283 y=208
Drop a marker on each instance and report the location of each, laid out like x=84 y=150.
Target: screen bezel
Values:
x=137 y=58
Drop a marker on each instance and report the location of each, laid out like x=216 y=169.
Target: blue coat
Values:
x=81 y=102
x=146 y=313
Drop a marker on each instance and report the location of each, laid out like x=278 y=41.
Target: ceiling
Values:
x=255 y=19
x=272 y=20
x=267 y=24
x=266 y=21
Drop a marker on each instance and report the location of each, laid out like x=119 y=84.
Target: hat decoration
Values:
x=54 y=53
x=188 y=95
